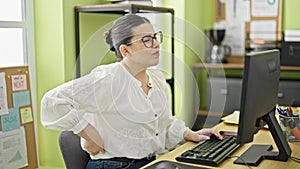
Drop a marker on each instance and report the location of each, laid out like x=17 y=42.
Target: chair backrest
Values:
x=73 y=155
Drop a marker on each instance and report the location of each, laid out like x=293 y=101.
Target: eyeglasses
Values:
x=148 y=40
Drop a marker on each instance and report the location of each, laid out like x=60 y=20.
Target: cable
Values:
x=296 y=159
x=241 y=159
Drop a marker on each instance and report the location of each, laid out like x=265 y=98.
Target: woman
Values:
x=121 y=110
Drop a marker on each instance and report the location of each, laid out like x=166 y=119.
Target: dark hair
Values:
x=121 y=31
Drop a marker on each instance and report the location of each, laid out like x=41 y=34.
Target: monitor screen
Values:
x=258 y=104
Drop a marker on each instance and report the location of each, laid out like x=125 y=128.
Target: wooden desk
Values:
x=262 y=137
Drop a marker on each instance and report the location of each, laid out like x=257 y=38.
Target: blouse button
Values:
x=156 y=134
x=155 y=115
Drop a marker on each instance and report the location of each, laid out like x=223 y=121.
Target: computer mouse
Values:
x=214 y=137
x=167 y=165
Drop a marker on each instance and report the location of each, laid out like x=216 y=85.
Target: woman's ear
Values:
x=124 y=50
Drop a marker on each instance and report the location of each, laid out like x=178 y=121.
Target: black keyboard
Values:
x=210 y=152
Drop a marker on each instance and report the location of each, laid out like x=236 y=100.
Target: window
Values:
x=11 y=10
x=11 y=46
x=17 y=39
x=16 y=29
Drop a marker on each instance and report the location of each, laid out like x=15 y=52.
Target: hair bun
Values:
x=108 y=39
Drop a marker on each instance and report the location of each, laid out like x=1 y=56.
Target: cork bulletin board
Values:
x=260 y=22
x=274 y=17
x=17 y=133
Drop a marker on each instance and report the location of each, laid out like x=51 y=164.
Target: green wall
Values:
x=50 y=70
x=291 y=14
x=55 y=51
x=195 y=52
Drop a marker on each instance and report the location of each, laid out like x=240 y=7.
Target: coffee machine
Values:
x=218 y=53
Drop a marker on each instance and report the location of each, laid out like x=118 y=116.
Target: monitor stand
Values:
x=256 y=153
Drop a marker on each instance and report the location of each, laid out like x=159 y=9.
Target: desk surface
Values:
x=262 y=137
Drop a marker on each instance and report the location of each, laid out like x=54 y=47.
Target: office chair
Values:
x=73 y=155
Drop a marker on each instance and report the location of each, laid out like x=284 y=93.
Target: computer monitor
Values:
x=258 y=104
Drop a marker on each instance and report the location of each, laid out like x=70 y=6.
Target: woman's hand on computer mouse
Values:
x=203 y=134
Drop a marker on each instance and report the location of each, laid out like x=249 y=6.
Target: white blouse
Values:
x=131 y=123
